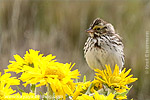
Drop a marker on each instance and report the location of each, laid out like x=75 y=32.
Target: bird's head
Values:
x=100 y=27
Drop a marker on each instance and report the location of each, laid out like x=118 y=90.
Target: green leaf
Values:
x=20 y=89
x=89 y=88
x=41 y=93
x=76 y=81
x=33 y=88
x=84 y=79
x=124 y=93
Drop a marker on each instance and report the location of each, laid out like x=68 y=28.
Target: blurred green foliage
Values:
x=58 y=27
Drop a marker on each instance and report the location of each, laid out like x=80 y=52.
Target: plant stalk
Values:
x=49 y=92
x=33 y=88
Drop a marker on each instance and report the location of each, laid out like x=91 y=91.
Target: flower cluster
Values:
x=59 y=78
x=107 y=85
x=43 y=70
x=5 y=83
x=116 y=82
x=115 y=79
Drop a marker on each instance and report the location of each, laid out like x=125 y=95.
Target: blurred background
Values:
x=58 y=27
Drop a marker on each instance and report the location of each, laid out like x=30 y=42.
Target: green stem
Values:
x=33 y=88
x=89 y=89
x=49 y=92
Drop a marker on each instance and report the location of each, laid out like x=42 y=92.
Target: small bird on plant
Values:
x=103 y=46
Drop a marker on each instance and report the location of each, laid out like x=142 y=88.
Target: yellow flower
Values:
x=5 y=83
x=60 y=79
x=42 y=70
x=119 y=97
x=24 y=96
x=81 y=86
x=85 y=97
x=115 y=79
x=121 y=93
x=97 y=85
x=31 y=59
x=97 y=96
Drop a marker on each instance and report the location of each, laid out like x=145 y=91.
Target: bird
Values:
x=103 y=46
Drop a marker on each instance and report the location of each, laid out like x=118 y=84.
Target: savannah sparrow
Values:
x=103 y=46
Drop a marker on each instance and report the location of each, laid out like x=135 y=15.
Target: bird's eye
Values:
x=98 y=29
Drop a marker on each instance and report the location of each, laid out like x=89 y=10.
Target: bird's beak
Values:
x=90 y=31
